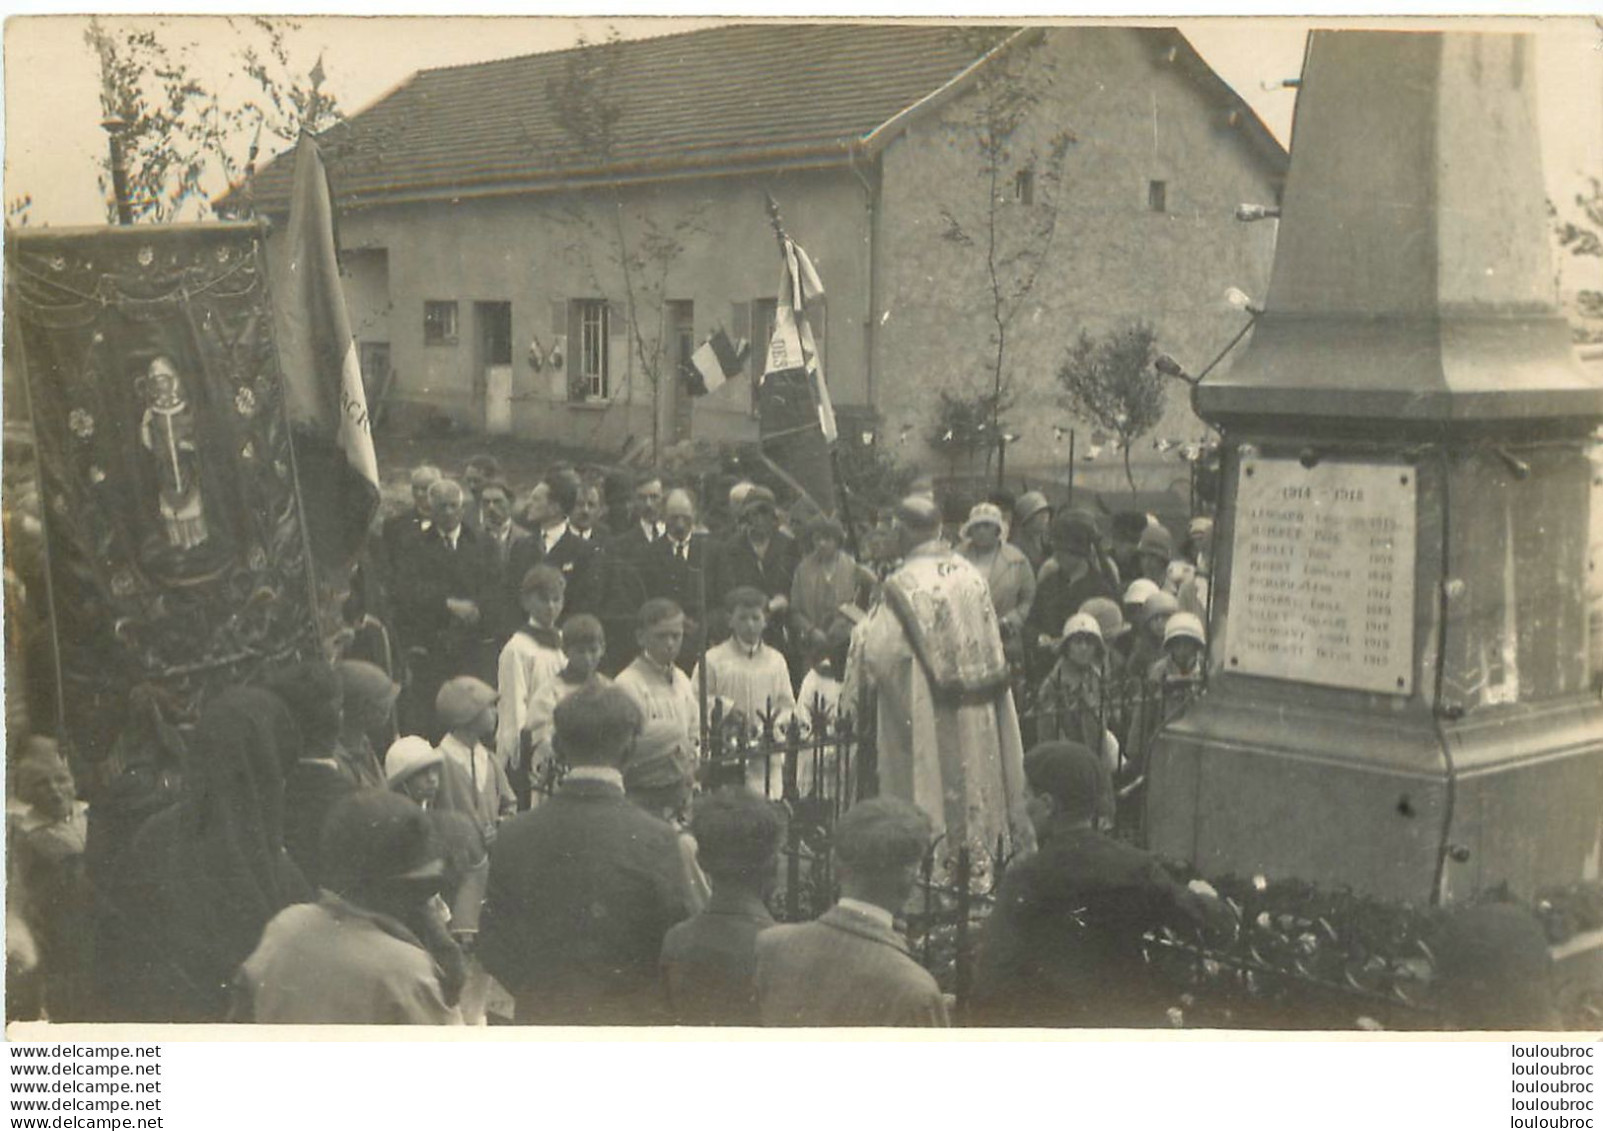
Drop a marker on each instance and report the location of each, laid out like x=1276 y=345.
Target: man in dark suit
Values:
x=444 y=590
x=758 y=556
x=1063 y=946
x=850 y=967
x=709 y=962
x=625 y=572
x=552 y=542
x=676 y=566
x=505 y=543
x=401 y=530
x=583 y=888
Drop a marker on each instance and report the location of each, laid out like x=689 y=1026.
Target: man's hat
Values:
x=461 y=700
x=659 y=759
x=758 y=497
x=1072 y=532
x=407 y=756
x=1155 y=539
x=374 y=836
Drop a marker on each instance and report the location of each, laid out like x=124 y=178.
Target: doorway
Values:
x=494 y=376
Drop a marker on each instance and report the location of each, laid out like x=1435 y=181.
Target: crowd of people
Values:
x=492 y=803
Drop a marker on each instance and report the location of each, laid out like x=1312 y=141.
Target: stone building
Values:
x=535 y=245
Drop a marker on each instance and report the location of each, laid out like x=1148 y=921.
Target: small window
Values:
x=1024 y=186
x=1158 y=196
x=439 y=323
x=594 y=329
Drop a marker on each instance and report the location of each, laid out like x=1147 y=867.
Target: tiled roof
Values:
x=722 y=97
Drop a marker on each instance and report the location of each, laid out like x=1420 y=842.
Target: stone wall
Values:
x=1137 y=119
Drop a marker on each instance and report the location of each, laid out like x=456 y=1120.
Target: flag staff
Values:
x=843 y=497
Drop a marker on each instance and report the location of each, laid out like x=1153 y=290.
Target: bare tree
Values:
x=1006 y=215
x=1111 y=382
x=182 y=141
x=636 y=246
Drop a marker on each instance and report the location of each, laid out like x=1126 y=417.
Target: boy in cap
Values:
x=369 y=696
x=531 y=658
x=709 y=962
x=583 y=888
x=850 y=967
x=362 y=954
x=658 y=686
x=465 y=707
x=1064 y=944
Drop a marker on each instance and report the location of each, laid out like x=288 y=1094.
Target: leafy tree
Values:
x=182 y=141
x=1585 y=239
x=1110 y=381
x=637 y=247
x=1005 y=216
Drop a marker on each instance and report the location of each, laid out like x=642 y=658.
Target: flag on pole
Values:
x=715 y=362
x=796 y=416
x=792 y=346
x=323 y=394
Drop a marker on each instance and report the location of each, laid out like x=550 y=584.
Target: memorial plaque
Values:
x=1322 y=574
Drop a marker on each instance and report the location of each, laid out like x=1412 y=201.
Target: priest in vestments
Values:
x=948 y=735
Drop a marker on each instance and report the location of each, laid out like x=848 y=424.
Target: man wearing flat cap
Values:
x=931 y=653
x=850 y=967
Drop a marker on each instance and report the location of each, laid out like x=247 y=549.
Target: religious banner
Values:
x=796 y=418
x=177 y=557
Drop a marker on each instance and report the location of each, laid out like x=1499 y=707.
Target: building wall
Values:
x=539 y=252
x=1137 y=118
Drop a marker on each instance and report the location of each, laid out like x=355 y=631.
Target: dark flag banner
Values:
x=323 y=394
x=177 y=558
x=795 y=417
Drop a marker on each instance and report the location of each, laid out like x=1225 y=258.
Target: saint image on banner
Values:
x=167 y=431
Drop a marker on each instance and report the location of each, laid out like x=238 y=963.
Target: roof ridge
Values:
x=582 y=45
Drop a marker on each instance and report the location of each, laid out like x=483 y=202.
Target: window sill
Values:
x=592 y=404
x=441 y=342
